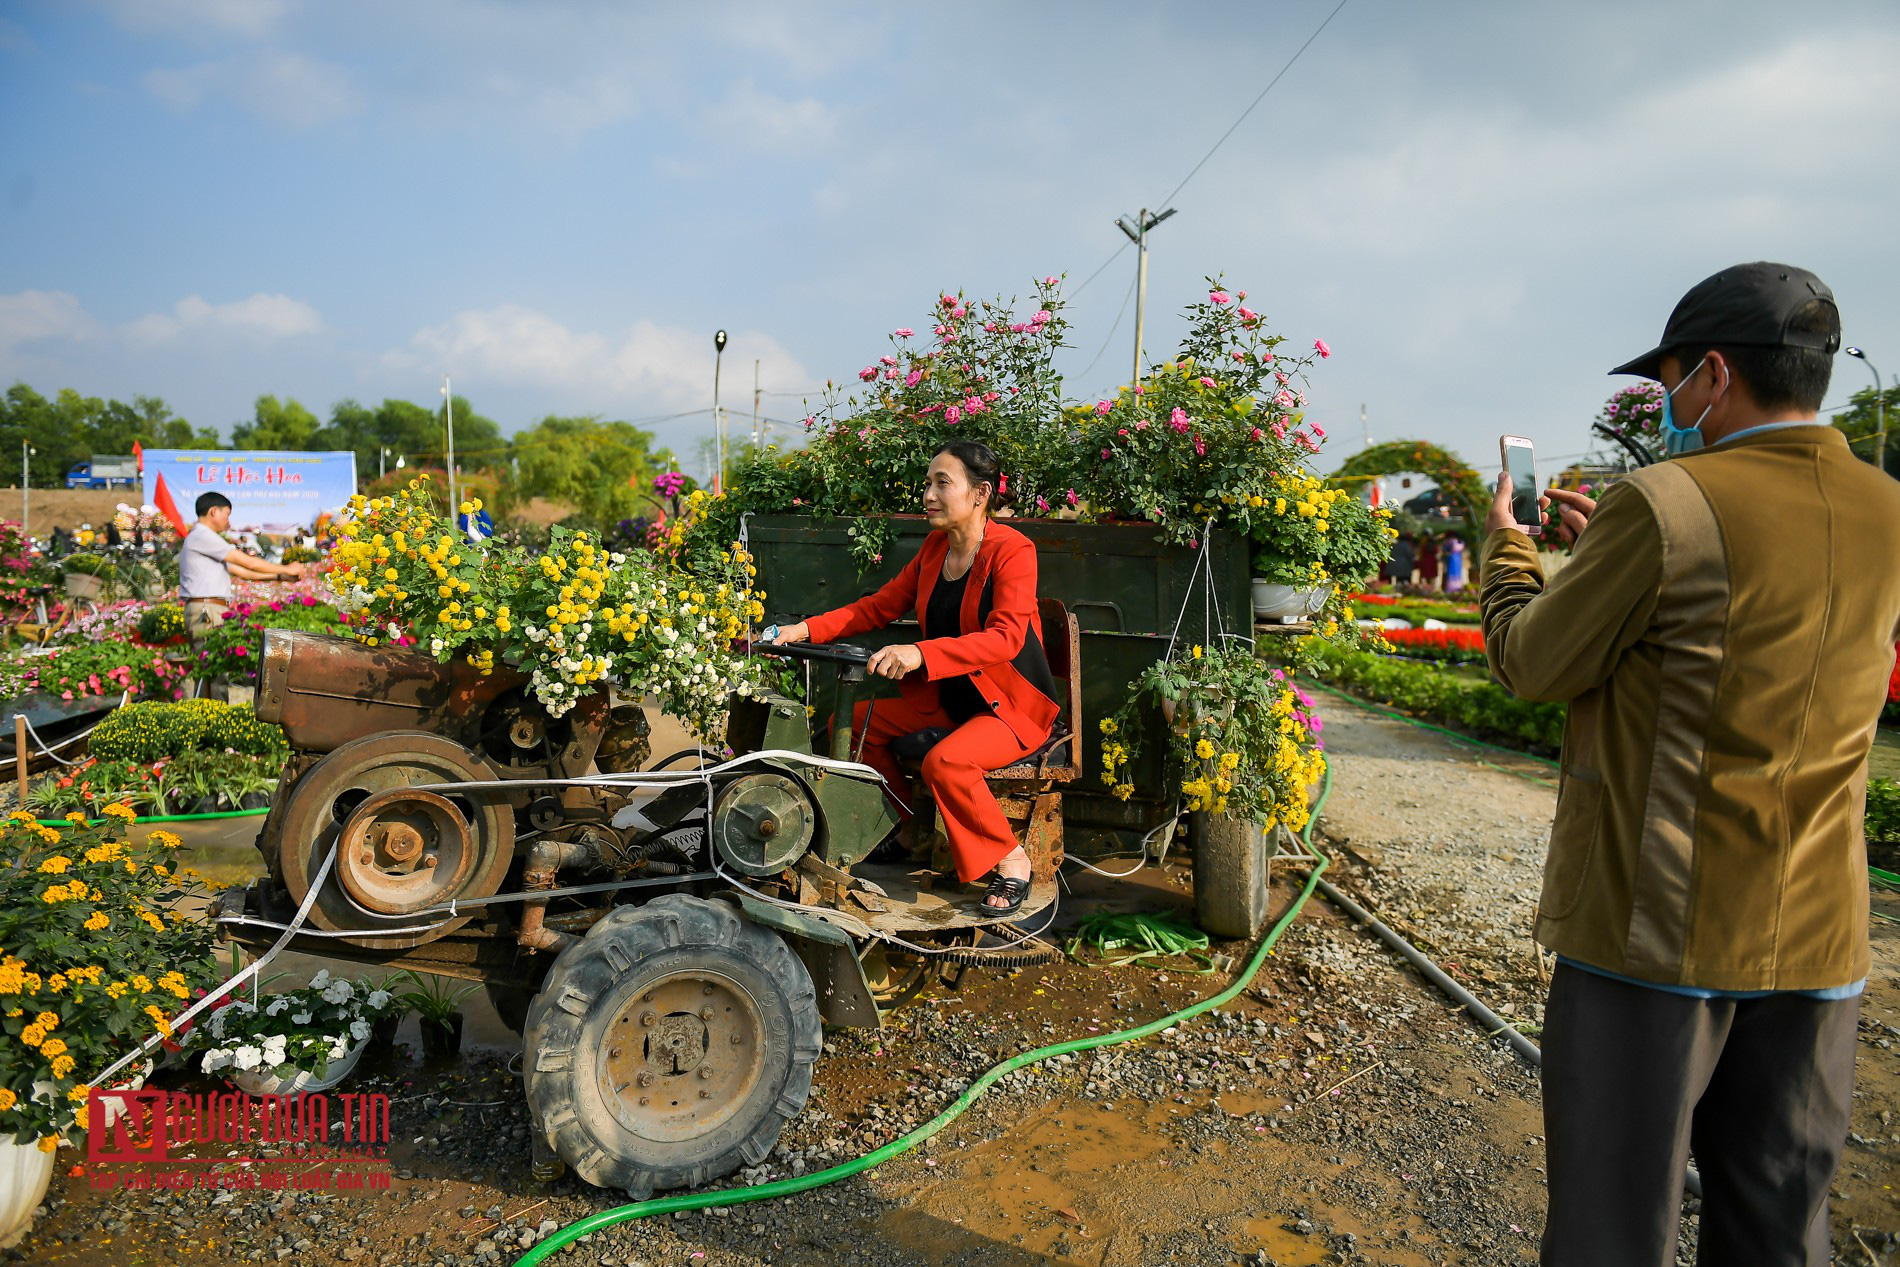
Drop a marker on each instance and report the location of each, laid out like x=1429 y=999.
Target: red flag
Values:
x=139 y=453
x=162 y=498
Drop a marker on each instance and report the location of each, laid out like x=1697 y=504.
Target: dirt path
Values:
x=1339 y=1112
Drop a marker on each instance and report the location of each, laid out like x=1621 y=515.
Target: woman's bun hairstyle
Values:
x=980 y=465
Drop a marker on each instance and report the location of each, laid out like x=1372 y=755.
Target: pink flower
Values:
x=69 y=694
x=1051 y=281
x=1266 y=358
x=1179 y=420
x=1319 y=431
x=1018 y=327
x=1256 y=434
x=1319 y=346
x=877 y=558
x=974 y=405
x=1103 y=406
x=1042 y=503
x=959 y=311
x=1073 y=499
x=1142 y=425
x=990 y=326
x=867 y=373
x=1279 y=431
x=1216 y=297
x=913 y=378
x=940 y=329
x=1105 y=454
x=890 y=376
x=1208 y=382
x=1042 y=317
x=887 y=360
x=947 y=301
x=1239 y=355
x=810 y=422
x=1247 y=314
x=1281 y=376
x=903 y=332
x=1200 y=447
x=1139 y=389
x=952 y=415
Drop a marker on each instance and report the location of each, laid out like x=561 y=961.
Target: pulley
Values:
x=763 y=823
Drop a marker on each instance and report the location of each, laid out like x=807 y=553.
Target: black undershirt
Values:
x=943 y=618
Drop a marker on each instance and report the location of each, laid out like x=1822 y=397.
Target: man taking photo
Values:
x=1723 y=636
x=207 y=563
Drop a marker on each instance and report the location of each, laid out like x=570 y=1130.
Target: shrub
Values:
x=1883 y=812
x=154 y=729
x=1446 y=697
x=162 y=623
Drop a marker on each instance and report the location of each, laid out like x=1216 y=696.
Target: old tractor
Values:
x=669 y=940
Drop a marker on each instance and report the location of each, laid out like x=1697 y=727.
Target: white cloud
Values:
x=234 y=17
x=284 y=88
x=261 y=316
x=662 y=368
x=751 y=119
x=30 y=315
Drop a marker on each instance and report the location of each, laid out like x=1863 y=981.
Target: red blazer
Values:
x=1008 y=559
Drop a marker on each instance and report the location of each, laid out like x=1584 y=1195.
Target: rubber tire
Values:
x=665 y=935
x=1230 y=874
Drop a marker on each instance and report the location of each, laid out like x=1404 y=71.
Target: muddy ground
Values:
x=1339 y=1111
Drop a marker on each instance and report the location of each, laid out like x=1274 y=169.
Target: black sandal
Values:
x=1010 y=889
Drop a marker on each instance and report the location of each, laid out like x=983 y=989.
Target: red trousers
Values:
x=978 y=831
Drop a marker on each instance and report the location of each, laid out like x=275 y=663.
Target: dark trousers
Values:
x=1635 y=1079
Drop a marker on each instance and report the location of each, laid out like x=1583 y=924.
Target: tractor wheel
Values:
x=670 y=1045
x=1230 y=874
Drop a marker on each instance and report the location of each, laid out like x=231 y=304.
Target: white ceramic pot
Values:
x=1312 y=600
x=260 y=1083
x=1277 y=602
x=25 y=1173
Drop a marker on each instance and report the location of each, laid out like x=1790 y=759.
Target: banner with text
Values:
x=274 y=492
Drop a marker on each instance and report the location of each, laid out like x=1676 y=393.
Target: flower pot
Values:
x=25 y=1173
x=257 y=1082
x=1277 y=602
x=441 y=1040
x=1314 y=599
x=80 y=585
x=254 y=800
x=382 y=1035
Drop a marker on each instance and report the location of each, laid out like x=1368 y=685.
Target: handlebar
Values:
x=834 y=652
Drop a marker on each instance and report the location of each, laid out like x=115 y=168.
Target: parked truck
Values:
x=104 y=470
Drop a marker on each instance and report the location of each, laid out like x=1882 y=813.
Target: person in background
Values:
x=1723 y=635
x=207 y=563
x=1454 y=564
x=1428 y=562
x=1398 y=569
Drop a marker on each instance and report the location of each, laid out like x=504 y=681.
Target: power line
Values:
x=1249 y=110
x=1098 y=272
x=1111 y=330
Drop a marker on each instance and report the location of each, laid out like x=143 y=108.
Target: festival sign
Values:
x=270 y=491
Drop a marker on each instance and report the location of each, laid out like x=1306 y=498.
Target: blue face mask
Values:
x=1679 y=440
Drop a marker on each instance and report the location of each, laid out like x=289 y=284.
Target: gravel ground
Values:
x=1339 y=1111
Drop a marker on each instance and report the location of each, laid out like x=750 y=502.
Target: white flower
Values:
x=339 y=992
x=247 y=1057
x=378 y=1000
x=215 y=1059
x=359 y=1030
x=276 y=1006
x=337 y=1047
x=300 y=1018
x=321 y=979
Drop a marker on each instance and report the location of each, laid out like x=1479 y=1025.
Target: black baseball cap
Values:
x=1748 y=305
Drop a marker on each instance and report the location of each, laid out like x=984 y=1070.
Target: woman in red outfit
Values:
x=978 y=671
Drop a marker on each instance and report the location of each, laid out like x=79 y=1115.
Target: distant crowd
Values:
x=1435 y=562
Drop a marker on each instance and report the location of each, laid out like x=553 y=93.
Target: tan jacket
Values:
x=1723 y=634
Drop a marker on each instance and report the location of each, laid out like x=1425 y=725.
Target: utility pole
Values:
x=758 y=437
x=719 y=420
x=448 y=412
x=1138 y=234
x=1880 y=412
x=1364 y=435
x=26 y=497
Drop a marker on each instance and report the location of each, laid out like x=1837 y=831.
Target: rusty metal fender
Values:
x=829 y=954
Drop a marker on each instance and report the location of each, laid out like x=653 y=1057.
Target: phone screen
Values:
x=1524 y=490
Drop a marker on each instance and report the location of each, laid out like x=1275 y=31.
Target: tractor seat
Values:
x=910 y=750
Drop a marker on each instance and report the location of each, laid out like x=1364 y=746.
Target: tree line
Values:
x=602 y=468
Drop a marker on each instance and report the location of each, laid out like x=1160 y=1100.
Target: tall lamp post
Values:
x=448 y=412
x=1880 y=412
x=26 y=525
x=1138 y=234
x=719 y=420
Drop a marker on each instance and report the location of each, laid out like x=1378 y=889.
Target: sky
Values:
x=1481 y=206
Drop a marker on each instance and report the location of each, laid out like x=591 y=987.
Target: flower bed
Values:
x=1464 y=645
x=94 y=958
x=107 y=668
x=193 y=782
x=1447 y=697
x=156 y=729
x=234 y=648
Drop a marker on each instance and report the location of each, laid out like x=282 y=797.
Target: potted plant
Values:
x=308 y=1039
x=439 y=1007
x=86 y=915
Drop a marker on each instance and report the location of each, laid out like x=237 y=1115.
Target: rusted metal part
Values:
x=327 y=691
x=402 y=849
x=683 y=1056
x=312 y=815
x=544 y=859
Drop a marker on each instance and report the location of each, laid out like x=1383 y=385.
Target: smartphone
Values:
x=1516 y=452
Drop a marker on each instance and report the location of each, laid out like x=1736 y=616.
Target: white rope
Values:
x=73 y=739
x=1200 y=559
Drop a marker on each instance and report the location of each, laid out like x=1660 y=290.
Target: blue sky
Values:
x=1480 y=206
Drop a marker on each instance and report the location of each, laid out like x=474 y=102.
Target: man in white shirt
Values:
x=207 y=563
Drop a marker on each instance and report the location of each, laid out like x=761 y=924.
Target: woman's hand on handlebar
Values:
x=896 y=661
x=787 y=634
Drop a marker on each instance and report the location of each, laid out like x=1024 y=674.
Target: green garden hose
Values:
x=167 y=818
x=904 y=1143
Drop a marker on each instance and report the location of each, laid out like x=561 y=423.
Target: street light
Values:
x=448 y=412
x=1138 y=234
x=719 y=422
x=1880 y=412
x=26 y=526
